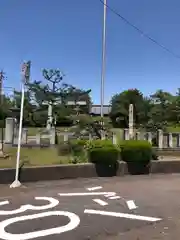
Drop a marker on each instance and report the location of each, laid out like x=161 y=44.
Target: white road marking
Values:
x=4 y=203
x=5 y=197
x=52 y=203
x=131 y=205
x=84 y=194
x=100 y=202
x=74 y=222
x=94 y=188
x=110 y=194
x=122 y=215
x=115 y=197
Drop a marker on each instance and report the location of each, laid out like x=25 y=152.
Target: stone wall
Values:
x=11 y=135
x=163 y=140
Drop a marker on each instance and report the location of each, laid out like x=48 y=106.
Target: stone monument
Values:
x=131 y=121
x=9 y=130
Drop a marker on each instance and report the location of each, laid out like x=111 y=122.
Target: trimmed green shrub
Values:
x=136 y=151
x=104 y=155
x=77 y=147
x=137 y=154
x=99 y=144
x=103 y=152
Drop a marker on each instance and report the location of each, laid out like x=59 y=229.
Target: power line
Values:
x=141 y=31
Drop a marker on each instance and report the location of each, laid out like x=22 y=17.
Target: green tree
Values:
x=57 y=93
x=5 y=107
x=79 y=96
x=49 y=92
x=29 y=107
x=120 y=107
x=160 y=112
x=174 y=109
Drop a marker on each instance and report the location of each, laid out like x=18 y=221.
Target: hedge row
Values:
x=105 y=152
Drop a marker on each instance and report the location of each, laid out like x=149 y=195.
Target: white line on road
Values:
x=94 y=188
x=85 y=194
x=101 y=202
x=122 y=215
x=115 y=197
x=131 y=205
x=110 y=194
x=4 y=203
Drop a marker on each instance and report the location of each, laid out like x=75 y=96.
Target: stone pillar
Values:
x=149 y=137
x=103 y=137
x=90 y=136
x=126 y=134
x=9 y=130
x=131 y=121
x=50 y=119
x=114 y=138
x=170 y=140
x=138 y=136
x=160 y=139
x=66 y=137
x=16 y=128
x=178 y=140
x=52 y=136
x=38 y=139
x=24 y=135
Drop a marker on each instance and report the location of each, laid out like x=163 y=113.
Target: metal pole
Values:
x=25 y=78
x=17 y=183
x=103 y=60
x=1 y=85
x=2 y=129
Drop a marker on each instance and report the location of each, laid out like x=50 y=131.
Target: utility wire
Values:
x=141 y=31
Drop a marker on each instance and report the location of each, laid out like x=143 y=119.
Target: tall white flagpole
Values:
x=16 y=182
x=103 y=60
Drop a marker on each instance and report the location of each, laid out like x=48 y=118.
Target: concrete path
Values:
x=128 y=208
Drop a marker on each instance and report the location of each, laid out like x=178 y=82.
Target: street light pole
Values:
x=25 y=79
x=16 y=182
x=103 y=60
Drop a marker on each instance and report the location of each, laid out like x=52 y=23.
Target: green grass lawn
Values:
x=34 y=157
x=173 y=129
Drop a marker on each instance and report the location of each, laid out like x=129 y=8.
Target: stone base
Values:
x=15 y=184
x=3 y=155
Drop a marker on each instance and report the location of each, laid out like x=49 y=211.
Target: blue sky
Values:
x=67 y=34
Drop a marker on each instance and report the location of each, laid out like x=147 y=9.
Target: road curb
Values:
x=87 y=170
x=165 y=166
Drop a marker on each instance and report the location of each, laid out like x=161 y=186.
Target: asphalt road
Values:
x=127 y=208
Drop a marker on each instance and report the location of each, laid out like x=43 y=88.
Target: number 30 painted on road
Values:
x=74 y=220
